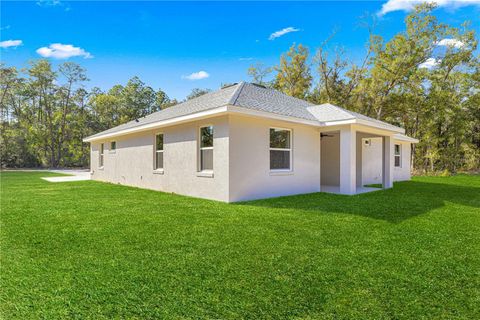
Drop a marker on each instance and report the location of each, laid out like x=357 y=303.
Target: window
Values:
x=398 y=155
x=206 y=148
x=280 y=149
x=113 y=146
x=159 y=151
x=102 y=146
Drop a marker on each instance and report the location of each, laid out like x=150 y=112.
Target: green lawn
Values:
x=94 y=250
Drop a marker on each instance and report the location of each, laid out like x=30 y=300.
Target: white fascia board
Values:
x=380 y=126
x=364 y=123
x=402 y=137
x=229 y=109
x=338 y=122
x=159 y=124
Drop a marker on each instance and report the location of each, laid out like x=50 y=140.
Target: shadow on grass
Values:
x=406 y=200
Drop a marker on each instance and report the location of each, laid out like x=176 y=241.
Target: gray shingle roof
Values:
x=249 y=96
x=205 y=102
x=328 y=112
x=252 y=96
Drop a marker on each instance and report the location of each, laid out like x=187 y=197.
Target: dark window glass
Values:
x=206 y=137
x=206 y=159
x=279 y=138
x=397 y=161
x=159 y=142
x=159 y=160
x=159 y=151
x=397 y=149
x=101 y=155
x=279 y=159
x=113 y=145
x=397 y=155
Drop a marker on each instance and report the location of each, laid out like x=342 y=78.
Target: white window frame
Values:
x=200 y=148
x=113 y=150
x=290 y=169
x=155 y=151
x=101 y=155
x=399 y=155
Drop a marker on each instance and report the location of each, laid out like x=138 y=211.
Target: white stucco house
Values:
x=247 y=142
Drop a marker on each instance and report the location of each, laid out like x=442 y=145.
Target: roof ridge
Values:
x=236 y=93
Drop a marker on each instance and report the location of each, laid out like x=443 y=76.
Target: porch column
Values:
x=387 y=172
x=348 y=159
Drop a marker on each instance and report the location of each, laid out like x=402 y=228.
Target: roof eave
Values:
x=367 y=123
x=406 y=138
x=377 y=125
x=230 y=109
x=159 y=124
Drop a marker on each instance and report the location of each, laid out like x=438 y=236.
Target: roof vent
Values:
x=228 y=85
x=259 y=85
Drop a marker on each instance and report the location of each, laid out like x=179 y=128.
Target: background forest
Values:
x=425 y=79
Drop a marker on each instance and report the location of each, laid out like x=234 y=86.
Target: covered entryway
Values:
x=342 y=163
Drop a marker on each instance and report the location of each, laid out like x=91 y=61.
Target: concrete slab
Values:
x=336 y=189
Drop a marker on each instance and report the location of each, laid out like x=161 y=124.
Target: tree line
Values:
x=425 y=79
x=45 y=113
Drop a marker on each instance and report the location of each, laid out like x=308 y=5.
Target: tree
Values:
x=293 y=74
x=162 y=100
x=46 y=112
x=259 y=73
x=197 y=92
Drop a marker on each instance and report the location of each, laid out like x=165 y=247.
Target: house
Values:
x=247 y=142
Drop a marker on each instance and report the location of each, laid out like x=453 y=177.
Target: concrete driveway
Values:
x=74 y=175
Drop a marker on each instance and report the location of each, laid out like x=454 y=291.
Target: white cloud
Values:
x=245 y=59
x=197 y=76
x=49 y=3
x=10 y=43
x=282 y=32
x=63 y=51
x=54 y=4
x=408 y=5
x=430 y=63
x=450 y=43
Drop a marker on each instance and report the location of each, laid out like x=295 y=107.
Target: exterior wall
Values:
x=241 y=160
x=250 y=175
x=133 y=162
x=403 y=172
x=372 y=162
x=330 y=162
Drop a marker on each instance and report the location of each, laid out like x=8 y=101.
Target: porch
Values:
x=342 y=161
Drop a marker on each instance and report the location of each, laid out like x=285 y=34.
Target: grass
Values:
x=92 y=250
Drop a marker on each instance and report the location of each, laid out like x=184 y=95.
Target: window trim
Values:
x=101 y=156
x=113 y=150
x=207 y=172
x=399 y=155
x=155 y=151
x=281 y=171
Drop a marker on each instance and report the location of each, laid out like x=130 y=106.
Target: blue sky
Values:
x=166 y=42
